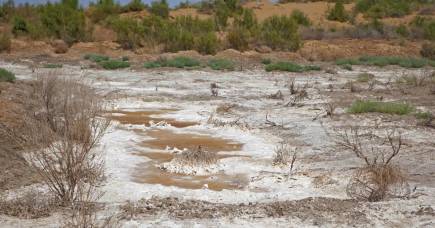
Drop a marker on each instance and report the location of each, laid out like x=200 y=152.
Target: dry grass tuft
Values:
x=198 y=157
x=30 y=205
x=285 y=156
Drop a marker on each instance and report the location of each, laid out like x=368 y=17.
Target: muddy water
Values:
x=144 y=118
x=148 y=172
x=164 y=138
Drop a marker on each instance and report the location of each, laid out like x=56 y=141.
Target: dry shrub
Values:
x=277 y=96
x=196 y=157
x=416 y=80
x=230 y=123
x=63 y=128
x=377 y=182
x=379 y=178
x=291 y=86
x=225 y=108
x=214 y=89
x=330 y=109
x=284 y=155
x=30 y=205
x=299 y=94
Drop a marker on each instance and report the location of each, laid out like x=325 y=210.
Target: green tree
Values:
x=280 y=32
x=160 y=8
x=64 y=22
x=338 y=13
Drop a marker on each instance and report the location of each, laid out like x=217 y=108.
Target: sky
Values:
x=86 y=2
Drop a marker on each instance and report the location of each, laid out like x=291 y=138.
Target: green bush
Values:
x=221 y=64
x=160 y=8
x=5 y=43
x=384 y=8
x=6 y=76
x=96 y=58
x=207 y=43
x=102 y=9
x=428 y=50
x=19 y=26
x=361 y=106
x=266 y=61
x=114 y=64
x=402 y=31
x=290 y=67
x=134 y=5
x=382 y=61
x=300 y=18
x=129 y=32
x=53 y=65
x=238 y=38
x=182 y=62
x=178 y=62
x=280 y=33
x=365 y=77
x=152 y=64
x=64 y=21
x=424 y=115
x=429 y=30
x=338 y=13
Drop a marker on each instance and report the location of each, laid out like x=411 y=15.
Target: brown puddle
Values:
x=144 y=118
x=149 y=173
x=163 y=138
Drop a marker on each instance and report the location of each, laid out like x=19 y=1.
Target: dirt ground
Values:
x=13 y=170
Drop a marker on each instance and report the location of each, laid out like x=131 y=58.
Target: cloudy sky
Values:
x=85 y=2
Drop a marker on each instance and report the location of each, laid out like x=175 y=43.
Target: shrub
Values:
x=134 y=5
x=338 y=13
x=280 y=32
x=424 y=118
x=6 y=76
x=64 y=21
x=365 y=77
x=428 y=50
x=284 y=156
x=384 y=8
x=347 y=67
x=300 y=18
x=207 y=43
x=96 y=58
x=290 y=67
x=53 y=65
x=266 y=61
x=378 y=178
x=402 y=31
x=221 y=64
x=114 y=64
x=361 y=106
x=382 y=61
x=152 y=64
x=160 y=8
x=182 y=62
x=129 y=32
x=5 y=43
x=19 y=26
x=30 y=205
x=102 y=9
x=238 y=38
x=178 y=62
x=429 y=31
